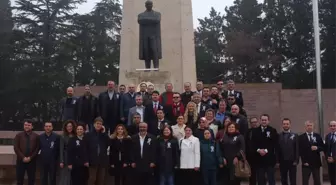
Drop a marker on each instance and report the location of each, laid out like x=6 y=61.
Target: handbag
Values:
x=242 y=168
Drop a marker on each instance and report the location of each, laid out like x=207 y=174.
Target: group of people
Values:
x=145 y=138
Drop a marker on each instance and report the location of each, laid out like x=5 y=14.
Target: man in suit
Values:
x=159 y=124
x=232 y=91
x=251 y=155
x=288 y=153
x=69 y=106
x=108 y=105
x=127 y=101
x=264 y=142
x=200 y=106
x=310 y=144
x=330 y=152
x=139 y=108
x=143 y=92
x=199 y=88
x=175 y=110
x=143 y=156
x=239 y=119
x=206 y=99
x=122 y=89
x=186 y=96
x=87 y=108
x=151 y=108
x=220 y=86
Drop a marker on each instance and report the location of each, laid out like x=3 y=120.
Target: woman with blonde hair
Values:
x=191 y=116
x=69 y=127
x=119 y=154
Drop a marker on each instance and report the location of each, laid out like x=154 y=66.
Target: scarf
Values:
x=178 y=109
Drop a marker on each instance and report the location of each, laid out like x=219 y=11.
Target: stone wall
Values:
x=297 y=104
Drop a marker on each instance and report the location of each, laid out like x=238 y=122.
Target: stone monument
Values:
x=176 y=38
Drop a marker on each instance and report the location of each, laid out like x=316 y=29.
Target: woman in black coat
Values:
x=119 y=154
x=78 y=159
x=168 y=156
x=232 y=145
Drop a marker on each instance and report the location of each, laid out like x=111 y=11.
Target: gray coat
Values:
x=132 y=111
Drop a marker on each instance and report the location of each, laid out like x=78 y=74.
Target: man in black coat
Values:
x=311 y=144
x=200 y=106
x=186 y=96
x=151 y=108
x=239 y=119
x=87 y=108
x=250 y=153
x=231 y=91
x=288 y=153
x=98 y=142
x=68 y=106
x=265 y=141
x=127 y=101
x=143 y=156
x=330 y=152
x=108 y=104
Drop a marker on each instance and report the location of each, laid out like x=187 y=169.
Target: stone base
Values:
x=157 y=78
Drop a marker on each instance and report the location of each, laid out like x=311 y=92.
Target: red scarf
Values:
x=178 y=109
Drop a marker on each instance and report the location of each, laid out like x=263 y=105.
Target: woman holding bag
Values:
x=232 y=147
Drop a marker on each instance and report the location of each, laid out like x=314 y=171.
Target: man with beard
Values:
x=288 y=153
x=231 y=100
x=26 y=148
x=144 y=94
x=265 y=143
x=143 y=156
x=122 y=89
x=87 y=108
x=68 y=106
x=206 y=98
x=239 y=119
x=109 y=103
x=139 y=108
x=231 y=91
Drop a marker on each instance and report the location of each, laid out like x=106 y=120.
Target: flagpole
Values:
x=318 y=66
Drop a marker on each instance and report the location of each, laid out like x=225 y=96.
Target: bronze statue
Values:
x=150 y=36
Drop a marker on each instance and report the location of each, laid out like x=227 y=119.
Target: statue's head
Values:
x=149 y=5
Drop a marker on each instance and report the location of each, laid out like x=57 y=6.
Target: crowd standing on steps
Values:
x=169 y=138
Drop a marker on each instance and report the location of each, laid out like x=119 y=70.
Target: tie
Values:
x=263 y=129
x=27 y=152
x=311 y=138
x=286 y=136
x=155 y=107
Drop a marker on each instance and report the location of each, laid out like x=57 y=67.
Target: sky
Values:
x=201 y=8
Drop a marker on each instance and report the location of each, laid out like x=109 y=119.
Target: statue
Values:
x=150 y=36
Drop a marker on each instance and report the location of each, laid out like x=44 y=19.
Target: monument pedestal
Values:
x=157 y=78
x=177 y=38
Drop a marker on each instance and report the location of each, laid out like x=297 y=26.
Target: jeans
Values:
x=166 y=179
x=269 y=171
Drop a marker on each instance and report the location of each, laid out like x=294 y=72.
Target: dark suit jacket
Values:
x=145 y=97
x=241 y=121
x=170 y=113
x=148 y=154
x=237 y=94
x=186 y=98
x=95 y=139
x=68 y=112
x=265 y=140
x=330 y=146
x=150 y=114
x=203 y=109
x=289 y=146
x=126 y=102
x=93 y=108
x=313 y=158
x=121 y=147
x=103 y=99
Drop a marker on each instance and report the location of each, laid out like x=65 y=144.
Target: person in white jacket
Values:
x=190 y=158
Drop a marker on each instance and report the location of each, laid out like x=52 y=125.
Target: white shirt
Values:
x=310 y=135
x=230 y=92
x=198 y=106
x=214 y=128
x=110 y=93
x=139 y=109
x=190 y=153
x=142 y=141
x=178 y=132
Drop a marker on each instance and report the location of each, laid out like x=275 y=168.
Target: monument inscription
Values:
x=150 y=36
